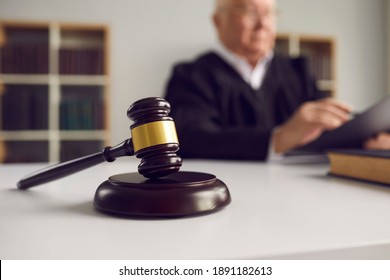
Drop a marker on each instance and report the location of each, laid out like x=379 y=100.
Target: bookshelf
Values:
x=320 y=50
x=54 y=90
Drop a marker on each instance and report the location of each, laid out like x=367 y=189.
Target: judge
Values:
x=242 y=100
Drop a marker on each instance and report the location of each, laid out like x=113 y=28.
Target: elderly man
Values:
x=243 y=101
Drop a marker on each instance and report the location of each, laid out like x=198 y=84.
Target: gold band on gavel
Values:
x=154 y=133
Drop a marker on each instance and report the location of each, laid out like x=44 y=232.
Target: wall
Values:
x=387 y=30
x=148 y=36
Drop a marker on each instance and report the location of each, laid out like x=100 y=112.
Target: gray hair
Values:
x=219 y=5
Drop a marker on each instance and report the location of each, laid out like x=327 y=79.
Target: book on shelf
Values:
x=81 y=108
x=81 y=114
x=319 y=62
x=360 y=164
x=26 y=151
x=85 y=61
x=24 y=59
x=24 y=107
x=75 y=149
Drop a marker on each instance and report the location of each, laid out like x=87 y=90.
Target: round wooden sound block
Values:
x=179 y=194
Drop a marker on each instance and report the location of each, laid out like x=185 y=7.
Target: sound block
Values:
x=179 y=194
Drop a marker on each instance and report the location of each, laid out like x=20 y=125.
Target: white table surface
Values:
x=277 y=212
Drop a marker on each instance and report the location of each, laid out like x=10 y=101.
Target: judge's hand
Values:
x=379 y=142
x=309 y=121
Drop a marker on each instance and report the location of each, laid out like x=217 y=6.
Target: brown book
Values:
x=367 y=165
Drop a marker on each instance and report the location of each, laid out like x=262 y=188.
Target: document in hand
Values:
x=351 y=135
x=368 y=165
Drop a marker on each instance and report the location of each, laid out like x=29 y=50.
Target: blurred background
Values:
x=70 y=69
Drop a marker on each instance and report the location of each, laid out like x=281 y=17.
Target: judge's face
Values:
x=246 y=27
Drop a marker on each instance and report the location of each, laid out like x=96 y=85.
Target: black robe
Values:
x=218 y=115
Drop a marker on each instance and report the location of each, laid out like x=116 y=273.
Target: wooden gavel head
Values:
x=154 y=137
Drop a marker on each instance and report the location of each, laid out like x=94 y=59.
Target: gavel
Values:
x=154 y=141
x=159 y=189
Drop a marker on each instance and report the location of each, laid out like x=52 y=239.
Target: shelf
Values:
x=320 y=51
x=326 y=85
x=26 y=135
x=83 y=80
x=83 y=135
x=45 y=79
x=53 y=89
x=25 y=79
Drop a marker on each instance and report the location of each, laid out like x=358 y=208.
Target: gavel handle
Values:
x=60 y=170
